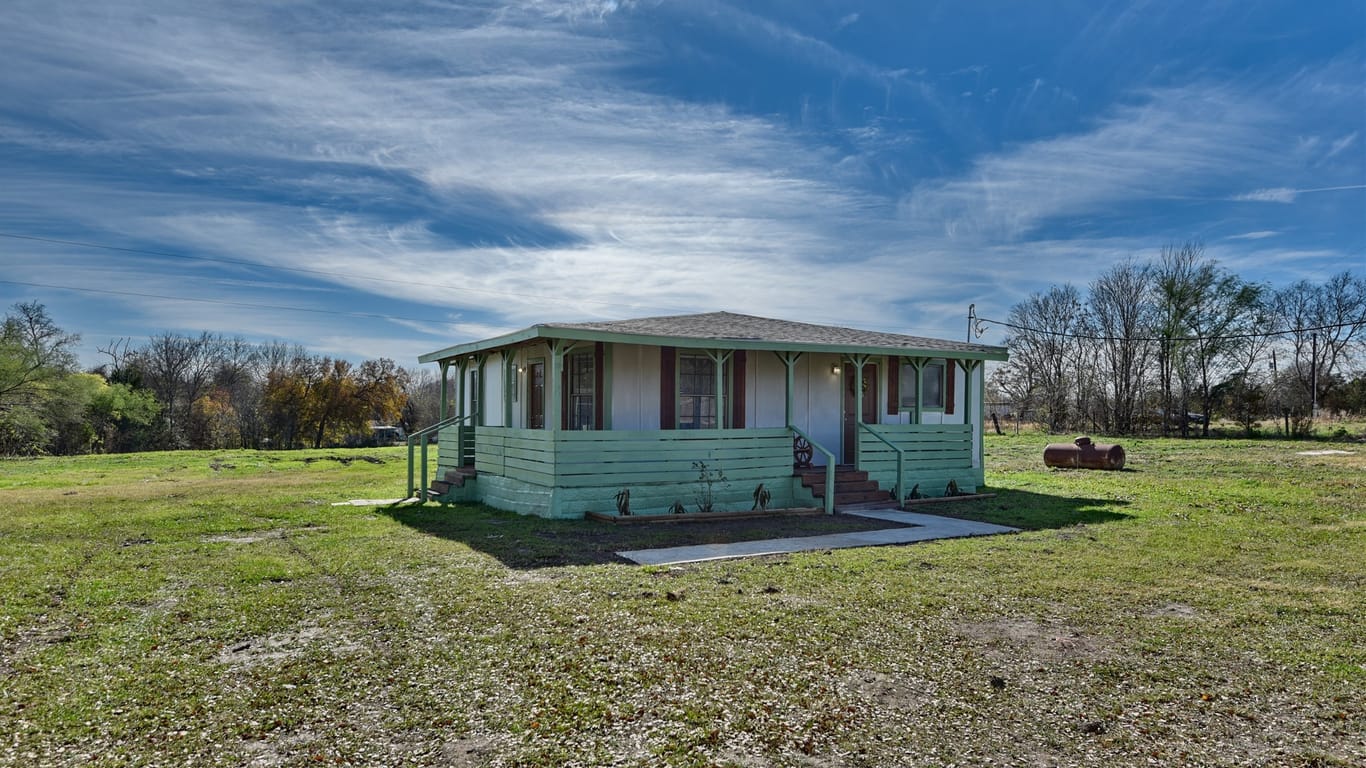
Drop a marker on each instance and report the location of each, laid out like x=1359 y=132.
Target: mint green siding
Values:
x=935 y=454
x=556 y=473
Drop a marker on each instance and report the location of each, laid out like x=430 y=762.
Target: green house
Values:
x=557 y=419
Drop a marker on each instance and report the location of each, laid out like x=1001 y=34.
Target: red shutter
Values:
x=950 y=366
x=893 y=385
x=737 y=389
x=598 y=394
x=668 y=362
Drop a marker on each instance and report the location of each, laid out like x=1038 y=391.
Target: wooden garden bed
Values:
x=941 y=499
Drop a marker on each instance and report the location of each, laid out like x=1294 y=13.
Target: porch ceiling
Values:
x=727 y=330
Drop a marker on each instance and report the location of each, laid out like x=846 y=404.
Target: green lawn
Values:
x=1203 y=607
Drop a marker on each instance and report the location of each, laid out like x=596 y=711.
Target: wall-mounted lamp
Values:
x=835 y=369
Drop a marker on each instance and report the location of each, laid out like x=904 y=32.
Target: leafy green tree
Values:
x=123 y=418
x=34 y=353
x=66 y=413
x=35 y=358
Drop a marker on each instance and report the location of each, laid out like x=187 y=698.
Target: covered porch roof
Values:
x=728 y=330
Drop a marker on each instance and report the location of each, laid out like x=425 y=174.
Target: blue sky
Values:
x=385 y=181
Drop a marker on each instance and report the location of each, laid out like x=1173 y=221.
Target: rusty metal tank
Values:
x=1084 y=454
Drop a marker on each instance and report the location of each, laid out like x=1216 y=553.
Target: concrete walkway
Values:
x=927 y=528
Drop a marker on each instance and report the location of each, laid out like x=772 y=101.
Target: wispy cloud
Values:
x=1177 y=142
x=1269 y=195
x=1288 y=195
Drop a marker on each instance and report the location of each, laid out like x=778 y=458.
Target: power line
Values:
x=1090 y=337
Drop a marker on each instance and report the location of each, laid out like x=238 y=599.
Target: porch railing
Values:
x=829 y=467
x=423 y=434
x=900 y=460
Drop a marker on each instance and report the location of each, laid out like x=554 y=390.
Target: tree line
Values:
x=1169 y=345
x=192 y=391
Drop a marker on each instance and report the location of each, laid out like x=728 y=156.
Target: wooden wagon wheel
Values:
x=802 y=453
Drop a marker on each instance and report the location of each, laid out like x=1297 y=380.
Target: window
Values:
x=696 y=392
x=907 y=386
x=579 y=399
x=535 y=403
x=932 y=381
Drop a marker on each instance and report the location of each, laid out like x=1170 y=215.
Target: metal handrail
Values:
x=424 y=433
x=829 y=468
x=900 y=461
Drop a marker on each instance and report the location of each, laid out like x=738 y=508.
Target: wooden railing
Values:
x=900 y=461
x=926 y=454
x=422 y=435
x=829 y=467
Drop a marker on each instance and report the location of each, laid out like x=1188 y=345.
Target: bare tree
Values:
x=1121 y=311
x=1223 y=309
x=1180 y=278
x=423 y=404
x=1042 y=350
x=1323 y=324
x=178 y=369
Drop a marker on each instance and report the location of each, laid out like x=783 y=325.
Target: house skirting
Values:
x=564 y=474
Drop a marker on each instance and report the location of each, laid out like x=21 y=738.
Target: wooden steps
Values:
x=454 y=478
x=852 y=486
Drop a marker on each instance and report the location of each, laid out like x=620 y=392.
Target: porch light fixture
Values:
x=835 y=368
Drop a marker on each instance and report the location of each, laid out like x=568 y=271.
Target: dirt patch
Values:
x=279 y=749
x=33 y=638
x=284 y=645
x=1051 y=641
x=895 y=692
x=470 y=751
x=244 y=538
x=1174 y=611
x=345 y=461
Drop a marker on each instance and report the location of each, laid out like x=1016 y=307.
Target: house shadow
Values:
x=1032 y=511
x=524 y=542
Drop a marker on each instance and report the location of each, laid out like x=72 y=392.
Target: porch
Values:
x=564 y=474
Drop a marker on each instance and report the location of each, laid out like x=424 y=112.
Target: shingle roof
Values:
x=729 y=326
x=731 y=330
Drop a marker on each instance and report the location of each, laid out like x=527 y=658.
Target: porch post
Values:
x=477 y=386
x=858 y=361
x=445 y=395
x=789 y=361
x=462 y=410
x=553 y=409
x=460 y=367
x=509 y=385
x=919 y=364
x=969 y=366
x=719 y=358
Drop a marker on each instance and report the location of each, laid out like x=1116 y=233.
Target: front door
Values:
x=868 y=382
x=535 y=399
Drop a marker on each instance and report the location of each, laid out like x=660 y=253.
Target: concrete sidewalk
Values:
x=927 y=528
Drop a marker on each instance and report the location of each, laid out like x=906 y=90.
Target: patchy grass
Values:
x=1204 y=608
